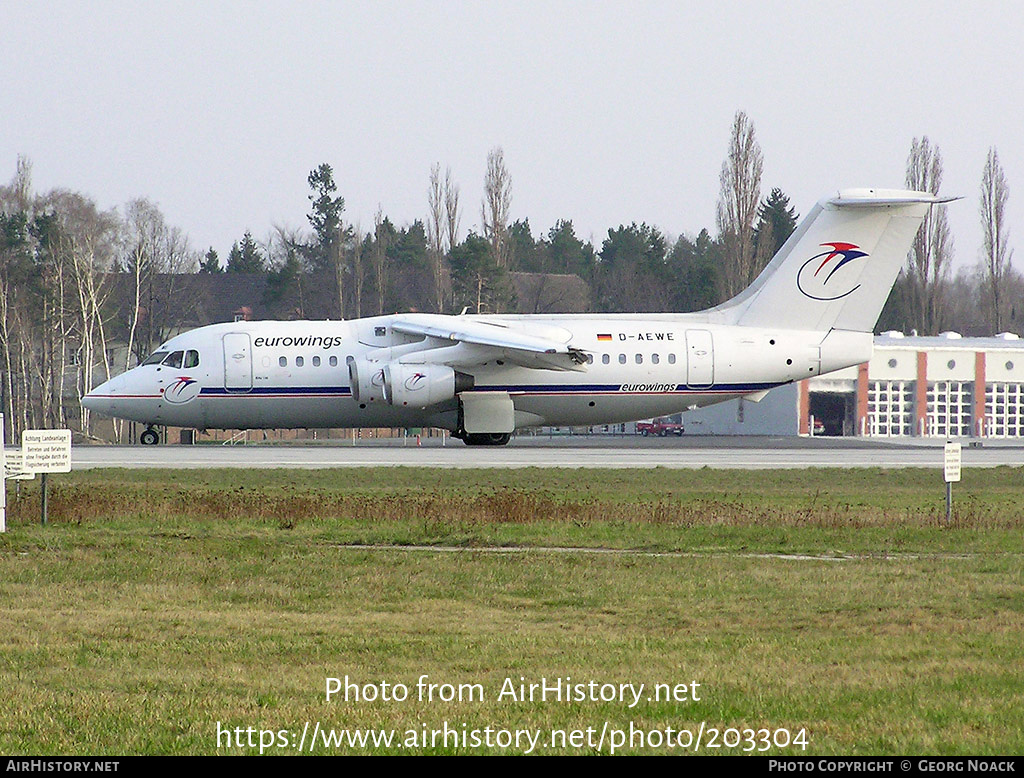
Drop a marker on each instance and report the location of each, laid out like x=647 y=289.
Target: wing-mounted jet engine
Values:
x=366 y=378
x=422 y=385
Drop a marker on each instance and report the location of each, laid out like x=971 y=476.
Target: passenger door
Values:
x=700 y=358
x=237 y=362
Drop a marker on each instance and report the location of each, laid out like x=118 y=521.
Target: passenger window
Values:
x=605 y=359
x=639 y=359
x=334 y=361
x=299 y=361
x=174 y=359
x=671 y=359
x=655 y=359
x=316 y=361
x=191 y=358
x=622 y=359
x=283 y=361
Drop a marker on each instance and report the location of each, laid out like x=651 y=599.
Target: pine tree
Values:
x=246 y=257
x=776 y=220
x=211 y=262
x=327 y=251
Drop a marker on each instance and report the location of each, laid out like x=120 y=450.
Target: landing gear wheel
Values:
x=487 y=438
x=149 y=437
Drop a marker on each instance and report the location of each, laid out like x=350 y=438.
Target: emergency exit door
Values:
x=237 y=362
x=700 y=358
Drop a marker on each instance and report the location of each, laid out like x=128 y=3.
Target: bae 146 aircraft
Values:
x=812 y=310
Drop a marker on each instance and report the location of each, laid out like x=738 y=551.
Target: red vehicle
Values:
x=659 y=427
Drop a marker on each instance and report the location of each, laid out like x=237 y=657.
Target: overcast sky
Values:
x=607 y=112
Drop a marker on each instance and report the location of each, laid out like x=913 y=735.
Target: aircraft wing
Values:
x=512 y=341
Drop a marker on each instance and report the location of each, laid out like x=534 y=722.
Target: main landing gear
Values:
x=479 y=438
x=486 y=438
x=150 y=437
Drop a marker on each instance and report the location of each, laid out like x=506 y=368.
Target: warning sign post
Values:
x=951 y=472
x=46 y=451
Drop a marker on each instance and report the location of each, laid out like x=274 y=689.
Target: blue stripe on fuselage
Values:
x=344 y=391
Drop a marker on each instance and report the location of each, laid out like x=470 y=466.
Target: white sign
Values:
x=47 y=451
x=952 y=462
x=14 y=465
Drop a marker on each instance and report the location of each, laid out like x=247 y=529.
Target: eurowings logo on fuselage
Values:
x=182 y=391
x=822 y=280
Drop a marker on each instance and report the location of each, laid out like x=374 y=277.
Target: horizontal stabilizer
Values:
x=871 y=198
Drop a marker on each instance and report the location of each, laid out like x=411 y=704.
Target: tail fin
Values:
x=838 y=268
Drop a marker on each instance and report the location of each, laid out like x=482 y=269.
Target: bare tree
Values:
x=451 y=211
x=380 y=258
x=998 y=257
x=496 y=206
x=21 y=186
x=89 y=244
x=286 y=283
x=929 y=258
x=357 y=268
x=36 y=289
x=738 y=205
x=336 y=253
x=47 y=358
x=55 y=262
x=435 y=235
x=142 y=224
x=452 y=219
x=80 y=243
x=15 y=282
x=156 y=256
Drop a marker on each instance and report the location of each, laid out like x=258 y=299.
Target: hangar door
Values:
x=237 y=362
x=700 y=358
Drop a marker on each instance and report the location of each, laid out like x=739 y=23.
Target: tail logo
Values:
x=823 y=280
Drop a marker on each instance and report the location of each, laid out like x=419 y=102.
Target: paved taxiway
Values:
x=571 y=452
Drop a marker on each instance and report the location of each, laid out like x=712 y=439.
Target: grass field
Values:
x=158 y=605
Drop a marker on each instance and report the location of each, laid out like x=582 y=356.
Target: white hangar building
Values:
x=925 y=387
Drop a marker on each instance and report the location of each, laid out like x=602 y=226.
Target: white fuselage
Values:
x=275 y=374
x=810 y=311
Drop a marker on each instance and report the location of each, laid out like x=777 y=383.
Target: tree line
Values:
x=75 y=279
x=429 y=266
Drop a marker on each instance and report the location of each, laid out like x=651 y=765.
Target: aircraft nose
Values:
x=102 y=398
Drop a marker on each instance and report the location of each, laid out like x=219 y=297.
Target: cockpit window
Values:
x=174 y=359
x=156 y=358
x=191 y=358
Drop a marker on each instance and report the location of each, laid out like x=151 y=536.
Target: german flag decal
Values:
x=602 y=336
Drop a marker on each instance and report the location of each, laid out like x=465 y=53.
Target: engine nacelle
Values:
x=419 y=385
x=366 y=379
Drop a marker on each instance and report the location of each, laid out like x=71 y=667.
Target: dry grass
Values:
x=153 y=608
x=290 y=505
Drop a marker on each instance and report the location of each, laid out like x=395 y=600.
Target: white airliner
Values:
x=812 y=310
